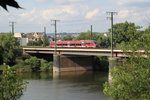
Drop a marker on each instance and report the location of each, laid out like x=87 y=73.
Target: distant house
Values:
x=22 y=38
x=30 y=37
x=38 y=35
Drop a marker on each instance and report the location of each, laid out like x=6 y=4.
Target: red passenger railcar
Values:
x=82 y=43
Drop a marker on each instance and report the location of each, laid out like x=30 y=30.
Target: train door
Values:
x=82 y=44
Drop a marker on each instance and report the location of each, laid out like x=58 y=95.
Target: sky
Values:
x=73 y=15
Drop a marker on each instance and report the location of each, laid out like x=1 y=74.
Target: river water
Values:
x=65 y=86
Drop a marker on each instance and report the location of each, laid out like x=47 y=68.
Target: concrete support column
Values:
x=56 y=64
x=112 y=62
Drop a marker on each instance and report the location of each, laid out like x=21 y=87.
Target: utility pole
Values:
x=12 y=25
x=55 y=24
x=91 y=33
x=111 y=18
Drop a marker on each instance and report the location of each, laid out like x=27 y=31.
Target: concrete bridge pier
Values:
x=64 y=63
x=112 y=62
x=56 y=63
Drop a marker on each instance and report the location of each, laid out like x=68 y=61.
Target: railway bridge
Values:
x=72 y=59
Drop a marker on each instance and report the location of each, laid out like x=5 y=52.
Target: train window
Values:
x=78 y=44
x=91 y=43
x=73 y=44
x=59 y=44
x=52 y=43
x=87 y=43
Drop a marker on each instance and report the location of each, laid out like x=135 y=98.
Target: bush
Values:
x=130 y=80
x=11 y=86
x=33 y=62
x=45 y=65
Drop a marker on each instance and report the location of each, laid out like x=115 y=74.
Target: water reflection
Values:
x=65 y=86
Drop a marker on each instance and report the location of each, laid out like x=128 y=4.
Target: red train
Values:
x=82 y=43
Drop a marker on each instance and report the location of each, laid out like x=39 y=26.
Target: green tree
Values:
x=11 y=85
x=123 y=31
x=86 y=36
x=31 y=43
x=103 y=41
x=131 y=77
x=8 y=46
x=1 y=61
x=39 y=42
x=67 y=38
x=33 y=62
x=45 y=40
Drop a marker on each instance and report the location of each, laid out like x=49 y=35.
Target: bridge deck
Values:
x=75 y=51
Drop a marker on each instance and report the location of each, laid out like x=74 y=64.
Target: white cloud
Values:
x=122 y=2
x=148 y=11
x=90 y=14
x=62 y=12
x=68 y=1
x=123 y=13
x=30 y=16
x=41 y=0
x=43 y=16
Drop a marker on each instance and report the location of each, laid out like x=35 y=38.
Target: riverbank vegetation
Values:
x=9 y=51
x=11 y=85
x=131 y=77
x=31 y=64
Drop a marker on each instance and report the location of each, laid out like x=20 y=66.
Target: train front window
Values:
x=95 y=42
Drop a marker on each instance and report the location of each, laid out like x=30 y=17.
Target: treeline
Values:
x=131 y=77
x=122 y=33
x=31 y=64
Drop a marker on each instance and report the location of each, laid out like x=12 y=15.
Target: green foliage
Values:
x=131 y=77
x=22 y=68
x=130 y=80
x=45 y=40
x=35 y=43
x=45 y=65
x=39 y=42
x=67 y=38
x=8 y=45
x=85 y=36
x=33 y=62
x=11 y=86
x=103 y=41
x=32 y=43
x=123 y=32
